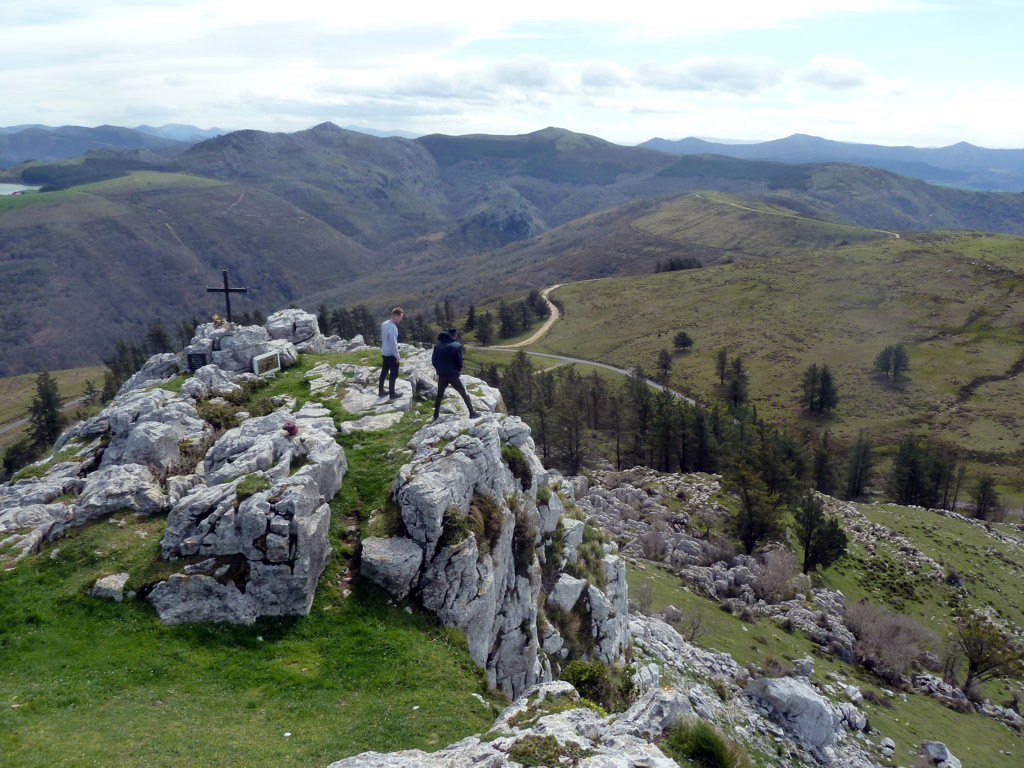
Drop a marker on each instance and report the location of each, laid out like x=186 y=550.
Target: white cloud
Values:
x=832 y=72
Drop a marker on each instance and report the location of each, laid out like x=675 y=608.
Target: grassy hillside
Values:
x=88 y=264
x=954 y=299
x=88 y=682
x=710 y=227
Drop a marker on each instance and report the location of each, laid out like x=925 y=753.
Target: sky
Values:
x=918 y=72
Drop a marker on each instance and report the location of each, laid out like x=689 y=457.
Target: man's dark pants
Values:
x=389 y=371
x=455 y=382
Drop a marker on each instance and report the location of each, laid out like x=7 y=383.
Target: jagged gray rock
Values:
x=149 y=427
x=393 y=563
x=939 y=754
x=119 y=488
x=801 y=709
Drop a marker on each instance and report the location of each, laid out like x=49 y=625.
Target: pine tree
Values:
x=485 y=329
x=722 y=364
x=883 y=362
x=471 y=318
x=823 y=467
x=757 y=520
x=737 y=390
x=44 y=416
x=682 y=341
x=828 y=397
x=985 y=499
x=664 y=363
x=809 y=385
x=900 y=361
x=90 y=393
x=157 y=339
x=859 y=470
x=821 y=536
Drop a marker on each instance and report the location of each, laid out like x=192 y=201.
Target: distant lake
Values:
x=10 y=189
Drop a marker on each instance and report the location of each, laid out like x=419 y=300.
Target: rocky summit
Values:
x=528 y=565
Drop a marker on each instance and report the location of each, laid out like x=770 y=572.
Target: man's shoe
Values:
x=381 y=393
x=393 y=396
x=474 y=415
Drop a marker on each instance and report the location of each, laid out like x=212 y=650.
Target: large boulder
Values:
x=239 y=346
x=270 y=547
x=800 y=709
x=393 y=563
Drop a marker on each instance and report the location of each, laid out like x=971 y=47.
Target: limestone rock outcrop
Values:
x=468 y=502
x=547 y=712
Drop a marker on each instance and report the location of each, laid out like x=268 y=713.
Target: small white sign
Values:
x=268 y=363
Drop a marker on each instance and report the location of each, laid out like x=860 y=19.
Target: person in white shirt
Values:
x=389 y=351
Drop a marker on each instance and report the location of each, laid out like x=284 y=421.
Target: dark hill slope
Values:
x=373 y=190
x=709 y=227
x=84 y=266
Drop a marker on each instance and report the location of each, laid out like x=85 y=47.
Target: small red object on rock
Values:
x=290 y=427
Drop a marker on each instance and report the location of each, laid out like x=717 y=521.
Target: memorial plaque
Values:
x=196 y=360
x=268 y=363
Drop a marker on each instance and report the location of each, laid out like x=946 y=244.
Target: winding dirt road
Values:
x=553 y=316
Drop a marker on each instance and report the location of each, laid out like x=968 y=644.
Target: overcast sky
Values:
x=919 y=72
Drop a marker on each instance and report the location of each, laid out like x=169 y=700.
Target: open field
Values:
x=955 y=300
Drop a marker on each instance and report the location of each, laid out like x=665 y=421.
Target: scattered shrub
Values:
x=702 y=743
x=517 y=464
x=652 y=543
x=610 y=686
x=455 y=527
x=645 y=598
x=718 y=549
x=887 y=642
x=524 y=539
x=543 y=495
x=220 y=415
x=871 y=695
x=536 y=750
x=773 y=574
x=485 y=520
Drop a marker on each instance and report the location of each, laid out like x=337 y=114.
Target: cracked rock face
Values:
x=481 y=538
x=264 y=552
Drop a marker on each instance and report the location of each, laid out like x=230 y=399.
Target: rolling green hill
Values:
x=954 y=299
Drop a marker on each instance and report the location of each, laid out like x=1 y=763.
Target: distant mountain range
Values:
x=960 y=165
x=22 y=143
x=338 y=216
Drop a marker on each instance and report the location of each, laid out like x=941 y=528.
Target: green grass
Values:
x=954 y=300
x=86 y=682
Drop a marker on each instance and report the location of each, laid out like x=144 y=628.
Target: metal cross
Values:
x=227 y=292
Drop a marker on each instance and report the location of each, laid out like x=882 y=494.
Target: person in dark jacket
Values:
x=447 y=361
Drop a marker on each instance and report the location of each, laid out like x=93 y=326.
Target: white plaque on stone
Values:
x=267 y=363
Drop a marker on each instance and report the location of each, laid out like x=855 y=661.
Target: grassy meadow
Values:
x=953 y=299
